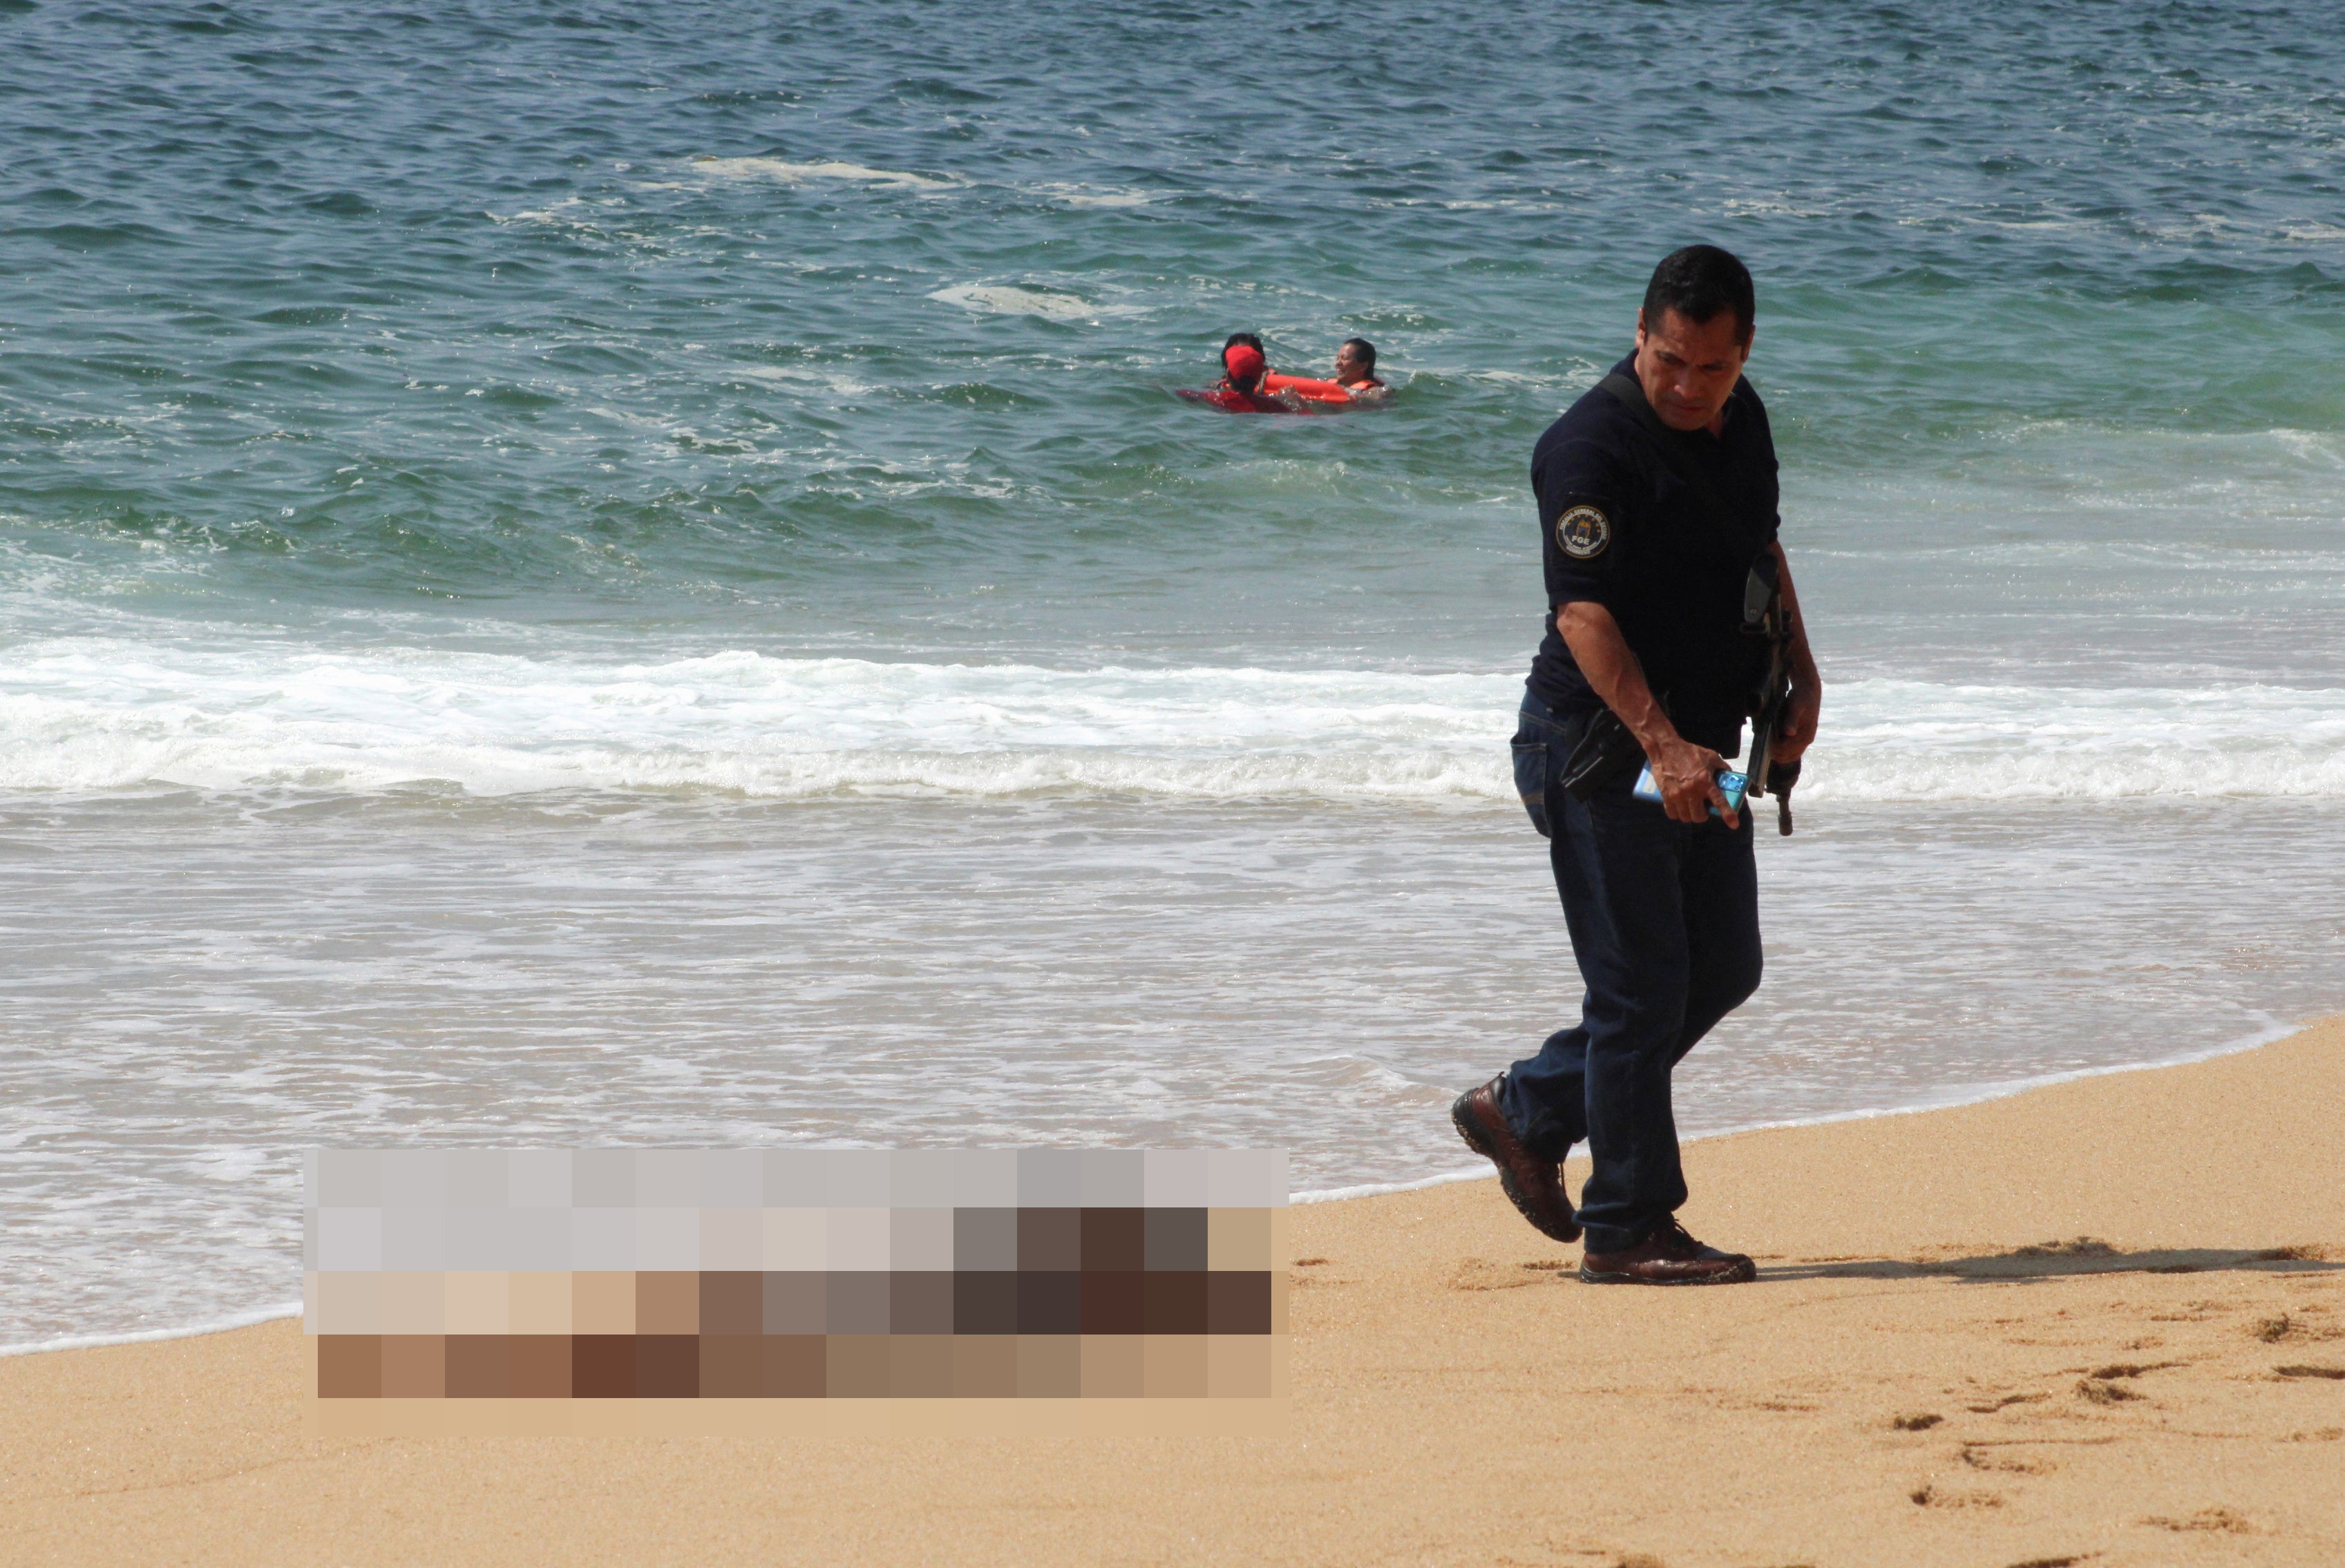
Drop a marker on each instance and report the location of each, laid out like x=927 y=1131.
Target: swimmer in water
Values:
x=1355 y=382
x=1356 y=371
x=1240 y=389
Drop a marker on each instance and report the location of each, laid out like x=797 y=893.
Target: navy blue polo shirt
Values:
x=1618 y=528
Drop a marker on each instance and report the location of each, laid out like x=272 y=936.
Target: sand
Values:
x=2100 y=1323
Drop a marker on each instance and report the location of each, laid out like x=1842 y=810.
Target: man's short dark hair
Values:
x=1697 y=282
x=1363 y=349
x=1251 y=339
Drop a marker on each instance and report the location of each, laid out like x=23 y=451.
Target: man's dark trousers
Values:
x=1664 y=921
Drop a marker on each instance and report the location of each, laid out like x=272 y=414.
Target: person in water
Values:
x=1355 y=381
x=1355 y=368
x=1240 y=389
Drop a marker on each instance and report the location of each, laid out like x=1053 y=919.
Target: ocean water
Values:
x=593 y=574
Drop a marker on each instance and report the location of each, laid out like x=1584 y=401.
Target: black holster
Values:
x=1606 y=751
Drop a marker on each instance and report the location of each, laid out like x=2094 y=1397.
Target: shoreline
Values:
x=2271 y=1034
x=2101 y=1321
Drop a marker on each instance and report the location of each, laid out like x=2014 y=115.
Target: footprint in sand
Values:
x=2295 y=1325
x=2082 y=1247
x=1979 y=1457
x=2006 y=1402
x=2221 y=1521
x=2103 y=1387
x=1481 y=1274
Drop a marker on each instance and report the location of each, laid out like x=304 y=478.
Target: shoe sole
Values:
x=1742 y=1275
x=1479 y=1142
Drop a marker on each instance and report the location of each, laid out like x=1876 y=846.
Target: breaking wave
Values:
x=97 y=714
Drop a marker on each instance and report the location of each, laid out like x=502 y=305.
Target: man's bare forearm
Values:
x=1684 y=772
x=1797 y=730
x=1609 y=667
x=1803 y=663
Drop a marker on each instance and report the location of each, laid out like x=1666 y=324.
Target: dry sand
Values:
x=2102 y=1322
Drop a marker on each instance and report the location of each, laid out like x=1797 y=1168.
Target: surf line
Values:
x=2271 y=1031
x=282 y=1311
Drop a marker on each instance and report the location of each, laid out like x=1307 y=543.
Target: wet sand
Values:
x=2099 y=1322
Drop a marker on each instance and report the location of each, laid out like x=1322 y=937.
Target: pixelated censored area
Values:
x=508 y=1279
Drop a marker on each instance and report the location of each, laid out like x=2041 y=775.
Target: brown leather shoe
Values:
x=1668 y=1257
x=1533 y=1185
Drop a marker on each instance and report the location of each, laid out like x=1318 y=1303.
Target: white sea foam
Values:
x=91 y=713
x=846 y=386
x=270 y=1314
x=1093 y=196
x=562 y=211
x=1009 y=299
x=1909 y=740
x=800 y=173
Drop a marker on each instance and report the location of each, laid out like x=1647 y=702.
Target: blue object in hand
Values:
x=1730 y=785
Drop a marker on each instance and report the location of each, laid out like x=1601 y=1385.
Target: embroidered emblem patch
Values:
x=1583 y=533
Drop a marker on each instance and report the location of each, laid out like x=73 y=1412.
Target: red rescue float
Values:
x=1306 y=388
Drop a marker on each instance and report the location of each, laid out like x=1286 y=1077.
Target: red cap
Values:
x=1243 y=361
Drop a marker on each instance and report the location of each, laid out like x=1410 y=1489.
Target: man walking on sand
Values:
x=1657 y=498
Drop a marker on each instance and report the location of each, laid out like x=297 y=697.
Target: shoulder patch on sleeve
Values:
x=1582 y=532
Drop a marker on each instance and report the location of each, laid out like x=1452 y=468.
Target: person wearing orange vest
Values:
x=1355 y=379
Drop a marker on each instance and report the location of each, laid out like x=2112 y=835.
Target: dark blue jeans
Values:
x=1664 y=924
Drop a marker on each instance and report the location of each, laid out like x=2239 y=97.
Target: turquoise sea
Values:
x=574 y=573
